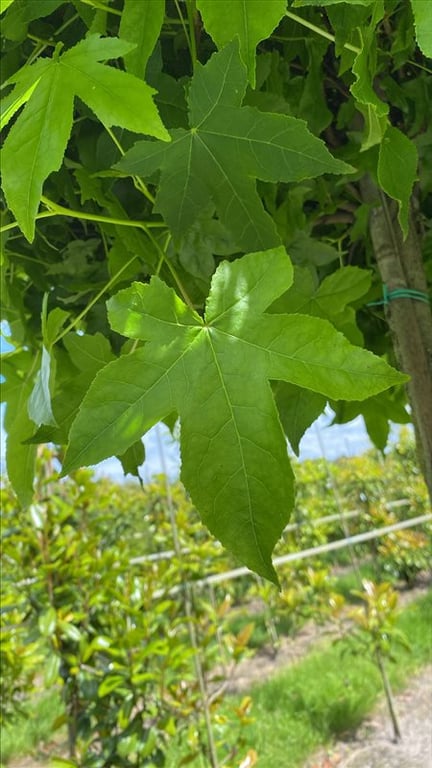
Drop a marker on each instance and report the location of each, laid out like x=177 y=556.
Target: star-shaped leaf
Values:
x=251 y=20
x=41 y=132
x=214 y=372
x=226 y=149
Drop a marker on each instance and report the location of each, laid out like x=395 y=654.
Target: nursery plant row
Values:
x=138 y=667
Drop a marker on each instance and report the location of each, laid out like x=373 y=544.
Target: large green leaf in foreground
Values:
x=215 y=373
x=226 y=149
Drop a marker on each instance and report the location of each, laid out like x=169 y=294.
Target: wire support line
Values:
x=353 y=513
x=303 y=554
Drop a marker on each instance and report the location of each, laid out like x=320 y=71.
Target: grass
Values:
x=329 y=693
x=31 y=730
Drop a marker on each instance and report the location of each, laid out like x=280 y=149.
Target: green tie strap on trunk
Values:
x=399 y=293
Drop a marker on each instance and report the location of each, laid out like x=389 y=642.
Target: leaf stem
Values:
x=138 y=182
x=114 y=138
x=44 y=43
x=187 y=33
x=94 y=300
x=101 y=7
x=171 y=268
x=37 y=51
x=319 y=31
x=14 y=224
x=192 y=15
x=419 y=66
x=141 y=187
x=59 y=210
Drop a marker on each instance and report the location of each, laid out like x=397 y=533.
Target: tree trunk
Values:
x=410 y=321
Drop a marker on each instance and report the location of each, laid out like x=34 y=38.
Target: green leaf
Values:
x=215 y=374
x=364 y=69
x=308 y=250
x=116 y=97
x=377 y=412
x=4 y=5
x=48 y=622
x=18 y=17
x=140 y=24
x=54 y=323
x=302 y=3
x=14 y=102
x=298 y=408
x=39 y=404
x=109 y=684
x=88 y=353
x=249 y=20
x=69 y=630
x=99 y=643
x=313 y=106
x=41 y=132
x=20 y=458
x=52 y=669
x=397 y=170
x=423 y=25
x=133 y=458
x=375 y=125
x=38 y=138
x=362 y=89
x=227 y=147
x=328 y=299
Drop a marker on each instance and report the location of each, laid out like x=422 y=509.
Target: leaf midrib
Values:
x=40 y=137
x=227 y=178
x=270 y=143
x=240 y=448
x=295 y=359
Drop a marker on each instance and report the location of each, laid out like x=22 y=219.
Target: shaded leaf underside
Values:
x=215 y=373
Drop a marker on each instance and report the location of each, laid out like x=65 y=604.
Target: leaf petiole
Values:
x=188 y=33
x=138 y=182
x=94 y=300
x=102 y=7
x=14 y=224
x=320 y=31
x=192 y=16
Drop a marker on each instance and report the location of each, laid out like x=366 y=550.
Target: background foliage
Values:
x=86 y=617
x=160 y=142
